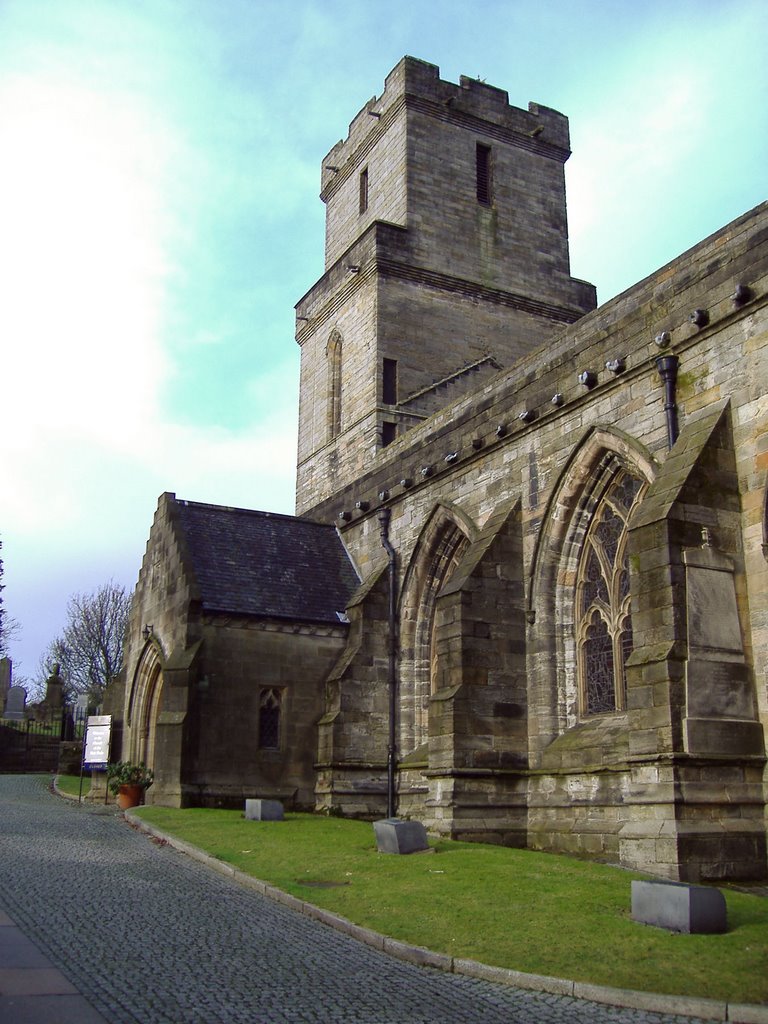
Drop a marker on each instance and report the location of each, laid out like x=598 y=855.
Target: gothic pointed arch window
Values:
x=441 y=545
x=270 y=708
x=603 y=623
x=333 y=359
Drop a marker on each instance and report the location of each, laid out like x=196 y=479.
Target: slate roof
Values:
x=265 y=564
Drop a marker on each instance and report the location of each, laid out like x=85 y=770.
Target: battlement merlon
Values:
x=419 y=82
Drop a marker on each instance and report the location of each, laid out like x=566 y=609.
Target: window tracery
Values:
x=603 y=613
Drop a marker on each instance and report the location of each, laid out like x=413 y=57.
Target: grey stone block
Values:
x=396 y=836
x=264 y=810
x=679 y=907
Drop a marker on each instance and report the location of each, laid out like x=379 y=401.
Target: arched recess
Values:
x=443 y=541
x=145 y=703
x=570 y=629
x=333 y=355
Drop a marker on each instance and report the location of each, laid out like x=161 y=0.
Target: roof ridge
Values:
x=240 y=510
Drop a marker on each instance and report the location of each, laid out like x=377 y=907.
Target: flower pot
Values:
x=129 y=796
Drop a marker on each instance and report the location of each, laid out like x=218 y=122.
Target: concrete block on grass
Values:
x=679 y=907
x=396 y=836
x=264 y=810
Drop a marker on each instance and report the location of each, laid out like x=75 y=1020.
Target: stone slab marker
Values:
x=396 y=836
x=263 y=810
x=679 y=907
x=14 y=707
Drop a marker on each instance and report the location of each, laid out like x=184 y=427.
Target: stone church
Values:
x=524 y=598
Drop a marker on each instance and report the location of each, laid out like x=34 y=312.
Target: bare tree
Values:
x=90 y=650
x=9 y=628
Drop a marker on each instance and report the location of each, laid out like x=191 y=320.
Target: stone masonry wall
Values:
x=426 y=274
x=225 y=764
x=724 y=358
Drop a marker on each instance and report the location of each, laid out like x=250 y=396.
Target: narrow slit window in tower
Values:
x=389 y=382
x=483 y=174
x=364 y=190
x=388 y=433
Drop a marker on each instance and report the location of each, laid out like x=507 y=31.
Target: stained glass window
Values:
x=604 y=626
x=599 y=668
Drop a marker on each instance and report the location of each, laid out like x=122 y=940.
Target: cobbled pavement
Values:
x=150 y=936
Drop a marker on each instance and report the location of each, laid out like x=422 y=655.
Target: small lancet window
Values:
x=483 y=167
x=364 y=190
x=269 y=719
x=389 y=382
x=333 y=357
x=604 y=619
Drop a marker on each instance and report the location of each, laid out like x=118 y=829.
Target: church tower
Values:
x=446 y=259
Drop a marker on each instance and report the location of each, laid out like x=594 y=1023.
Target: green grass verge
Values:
x=532 y=912
x=70 y=784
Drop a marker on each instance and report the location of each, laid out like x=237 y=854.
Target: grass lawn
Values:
x=70 y=784
x=532 y=912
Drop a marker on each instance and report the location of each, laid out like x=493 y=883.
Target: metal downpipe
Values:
x=667 y=367
x=383 y=517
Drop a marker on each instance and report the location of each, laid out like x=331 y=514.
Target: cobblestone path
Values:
x=151 y=937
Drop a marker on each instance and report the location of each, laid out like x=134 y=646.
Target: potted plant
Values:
x=128 y=781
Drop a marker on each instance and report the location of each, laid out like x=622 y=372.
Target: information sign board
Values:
x=97 y=734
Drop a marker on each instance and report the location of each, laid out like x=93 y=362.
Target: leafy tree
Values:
x=90 y=650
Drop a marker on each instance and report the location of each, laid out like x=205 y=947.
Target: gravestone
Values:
x=263 y=810
x=15 y=704
x=679 y=907
x=394 y=835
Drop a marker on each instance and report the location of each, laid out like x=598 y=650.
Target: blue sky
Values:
x=160 y=217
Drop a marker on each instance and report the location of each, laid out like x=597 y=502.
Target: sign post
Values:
x=96 y=748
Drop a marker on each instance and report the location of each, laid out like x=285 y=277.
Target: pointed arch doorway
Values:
x=146 y=705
